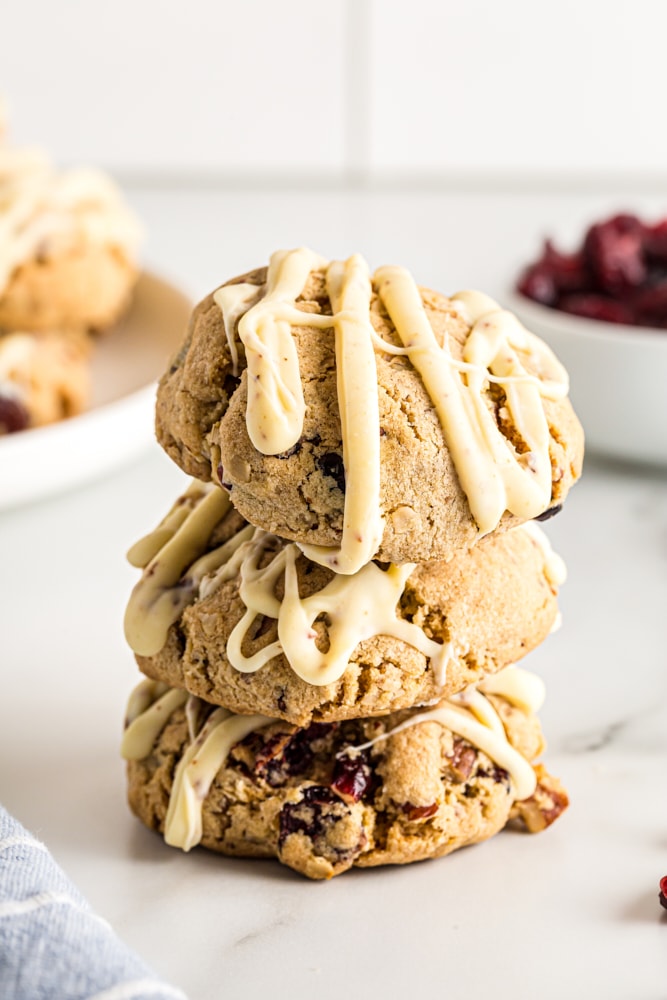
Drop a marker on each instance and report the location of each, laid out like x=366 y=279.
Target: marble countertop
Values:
x=571 y=912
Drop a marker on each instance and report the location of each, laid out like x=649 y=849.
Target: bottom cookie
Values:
x=413 y=785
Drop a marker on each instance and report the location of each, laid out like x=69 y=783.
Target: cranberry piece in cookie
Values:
x=320 y=835
x=352 y=776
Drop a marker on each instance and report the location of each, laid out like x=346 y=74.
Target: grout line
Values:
x=357 y=90
x=358 y=178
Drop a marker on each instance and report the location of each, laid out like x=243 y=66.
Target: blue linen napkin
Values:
x=52 y=945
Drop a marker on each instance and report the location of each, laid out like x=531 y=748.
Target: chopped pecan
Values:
x=419 y=812
x=545 y=805
x=462 y=760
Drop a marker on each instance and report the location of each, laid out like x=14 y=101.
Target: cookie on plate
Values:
x=68 y=246
x=243 y=619
x=364 y=792
x=364 y=416
x=44 y=377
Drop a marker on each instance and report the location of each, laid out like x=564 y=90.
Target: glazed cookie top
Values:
x=45 y=212
x=362 y=416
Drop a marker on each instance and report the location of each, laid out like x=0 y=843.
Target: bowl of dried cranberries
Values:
x=603 y=310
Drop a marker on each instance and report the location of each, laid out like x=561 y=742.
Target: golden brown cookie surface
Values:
x=417 y=789
x=337 y=648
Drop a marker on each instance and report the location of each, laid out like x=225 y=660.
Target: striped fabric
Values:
x=52 y=945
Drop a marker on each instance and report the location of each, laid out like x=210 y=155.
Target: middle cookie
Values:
x=243 y=619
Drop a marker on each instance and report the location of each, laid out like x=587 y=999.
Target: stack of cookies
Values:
x=329 y=618
x=68 y=246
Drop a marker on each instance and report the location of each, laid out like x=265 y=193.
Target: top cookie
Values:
x=367 y=417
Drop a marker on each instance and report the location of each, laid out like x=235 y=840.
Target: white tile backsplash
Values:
x=517 y=86
x=343 y=88
x=159 y=85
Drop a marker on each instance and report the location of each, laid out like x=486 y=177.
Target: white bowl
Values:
x=618 y=378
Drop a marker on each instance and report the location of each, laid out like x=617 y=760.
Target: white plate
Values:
x=126 y=363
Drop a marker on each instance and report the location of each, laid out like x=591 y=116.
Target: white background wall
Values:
x=371 y=88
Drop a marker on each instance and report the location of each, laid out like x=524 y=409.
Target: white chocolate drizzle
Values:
x=276 y=408
x=493 y=475
x=471 y=715
x=234 y=301
x=161 y=595
x=555 y=569
x=355 y=607
x=196 y=772
x=275 y=395
x=349 y=290
x=143 y=730
x=468 y=714
x=141 y=553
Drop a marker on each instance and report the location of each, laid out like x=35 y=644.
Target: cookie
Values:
x=364 y=792
x=367 y=417
x=67 y=246
x=243 y=619
x=44 y=377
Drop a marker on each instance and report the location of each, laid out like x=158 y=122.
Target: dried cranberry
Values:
x=285 y=755
x=537 y=283
x=650 y=304
x=615 y=254
x=331 y=465
x=318 y=807
x=569 y=271
x=13 y=415
x=598 y=307
x=625 y=222
x=619 y=275
x=655 y=242
x=352 y=776
x=299 y=751
x=662 y=896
